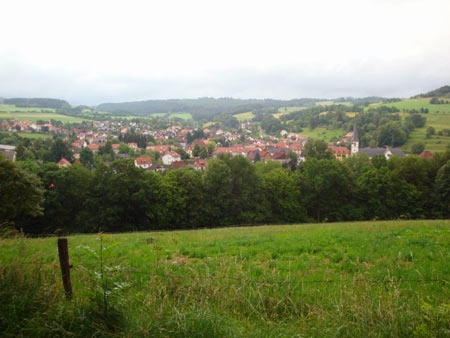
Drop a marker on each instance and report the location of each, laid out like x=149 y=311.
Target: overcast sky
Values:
x=95 y=51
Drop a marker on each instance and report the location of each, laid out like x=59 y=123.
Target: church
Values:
x=372 y=151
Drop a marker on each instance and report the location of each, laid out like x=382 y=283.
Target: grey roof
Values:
x=7 y=147
x=372 y=151
x=355 y=137
x=397 y=151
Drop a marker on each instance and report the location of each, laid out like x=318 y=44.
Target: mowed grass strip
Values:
x=342 y=279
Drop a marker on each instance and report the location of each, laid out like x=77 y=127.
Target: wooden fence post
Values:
x=65 y=267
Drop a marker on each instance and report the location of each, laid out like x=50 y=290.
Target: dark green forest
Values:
x=38 y=103
x=440 y=92
x=231 y=191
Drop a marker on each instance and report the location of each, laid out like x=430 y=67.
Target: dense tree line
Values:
x=38 y=103
x=440 y=92
x=231 y=191
x=435 y=100
x=202 y=108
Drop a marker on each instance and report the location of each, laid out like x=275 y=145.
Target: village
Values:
x=171 y=147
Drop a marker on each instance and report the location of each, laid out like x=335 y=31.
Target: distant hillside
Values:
x=1 y=100
x=37 y=103
x=202 y=108
x=363 y=101
x=440 y=92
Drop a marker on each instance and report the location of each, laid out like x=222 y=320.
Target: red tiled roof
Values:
x=143 y=160
x=340 y=151
x=161 y=149
x=173 y=154
x=63 y=162
x=93 y=146
x=178 y=164
x=426 y=154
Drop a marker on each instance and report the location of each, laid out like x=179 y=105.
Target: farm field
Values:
x=245 y=116
x=371 y=279
x=39 y=116
x=34 y=135
x=285 y=110
x=11 y=108
x=435 y=143
x=322 y=133
x=184 y=116
x=324 y=103
x=416 y=104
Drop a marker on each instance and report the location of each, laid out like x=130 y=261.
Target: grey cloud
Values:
x=401 y=79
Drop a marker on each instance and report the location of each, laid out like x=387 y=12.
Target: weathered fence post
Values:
x=65 y=267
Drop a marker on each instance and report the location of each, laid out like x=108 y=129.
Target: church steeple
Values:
x=355 y=140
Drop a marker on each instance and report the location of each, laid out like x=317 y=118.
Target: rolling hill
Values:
x=440 y=92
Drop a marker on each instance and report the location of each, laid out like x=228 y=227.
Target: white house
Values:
x=171 y=157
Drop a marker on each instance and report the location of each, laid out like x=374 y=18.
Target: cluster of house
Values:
x=95 y=135
x=30 y=126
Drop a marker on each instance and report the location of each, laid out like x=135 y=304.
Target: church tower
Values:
x=355 y=141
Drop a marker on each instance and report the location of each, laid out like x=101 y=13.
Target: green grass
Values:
x=415 y=104
x=34 y=135
x=184 y=116
x=438 y=118
x=435 y=143
x=11 y=108
x=322 y=133
x=245 y=116
x=39 y=116
x=235 y=282
x=290 y=109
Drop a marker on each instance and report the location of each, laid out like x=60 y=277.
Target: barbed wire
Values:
x=247 y=280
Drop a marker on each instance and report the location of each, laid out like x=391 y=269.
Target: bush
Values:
x=417 y=148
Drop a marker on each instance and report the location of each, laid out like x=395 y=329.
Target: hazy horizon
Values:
x=97 y=52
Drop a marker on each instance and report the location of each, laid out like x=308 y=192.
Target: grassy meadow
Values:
x=435 y=143
x=35 y=116
x=362 y=279
x=34 y=135
x=245 y=116
x=12 y=108
x=416 y=104
x=438 y=118
x=184 y=116
x=322 y=133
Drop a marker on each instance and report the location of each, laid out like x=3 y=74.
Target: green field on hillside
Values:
x=435 y=143
x=438 y=118
x=8 y=108
x=34 y=135
x=416 y=104
x=184 y=116
x=322 y=133
x=39 y=116
x=245 y=116
x=285 y=110
x=371 y=279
